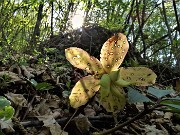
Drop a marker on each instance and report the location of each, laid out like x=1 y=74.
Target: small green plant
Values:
x=170 y=104
x=67 y=92
x=108 y=80
x=41 y=86
x=4 y=80
x=6 y=110
x=106 y=76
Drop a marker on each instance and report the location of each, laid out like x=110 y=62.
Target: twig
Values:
x=69 y=121
x=144 y=112
x=158 y=40
x=128 y=17
x=166 y=22
x=93 y=119
x=29 y=105
x=176 y=14
x=141 y=30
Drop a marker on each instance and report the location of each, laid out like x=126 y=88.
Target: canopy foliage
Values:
x=152 y=26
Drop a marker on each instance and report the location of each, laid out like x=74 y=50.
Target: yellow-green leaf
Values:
x=118 y=92
x=139 y=76
x=112 y=104
x=83 y=90
x=105 y=83
x=113 y=52
x=115 y=100
x=123 y=83
x=114 y=75
x=81 y=59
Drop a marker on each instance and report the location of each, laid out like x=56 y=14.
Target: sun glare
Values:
x=77 y=21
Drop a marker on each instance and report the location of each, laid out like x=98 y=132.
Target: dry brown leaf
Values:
x=46 y=119
x=177 y=128
x=12 y=77
x=27 y=72
x=52 y=126
x=55 y=129
x=152 y=130
x=168 y=115
x=82 y=123
x=42 y=108
x=89 y=111
x=17 y=99
x=46 y=76
x=53 y=102
x=7 y=125
x=44 y=131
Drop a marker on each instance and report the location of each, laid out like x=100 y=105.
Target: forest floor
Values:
x=43 y=110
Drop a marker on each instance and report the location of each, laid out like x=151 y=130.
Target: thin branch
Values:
x=152 y=11
x=166 y=22
x=128 y=17
x=143 y=12
x=176 y=14
x=89 y=5
x=138 y=14
x=142 y=24
x=158 y=40
x=144 y=112
x=52 y=10
x=138 y=33
x=69 y=120
x=162 y=47
x=63 y=121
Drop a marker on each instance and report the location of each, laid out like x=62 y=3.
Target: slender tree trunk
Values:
x=89 y=4
x=52 y=9
x=66 y=16
x=36 y=32
x=177 y=55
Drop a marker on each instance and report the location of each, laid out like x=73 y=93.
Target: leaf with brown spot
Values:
x=83 y=90
x=113 y=52
x=139 y=76
x=81 y=59
x=115 y=100
x=112 y=103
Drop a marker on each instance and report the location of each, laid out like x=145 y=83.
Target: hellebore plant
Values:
x=106 y=76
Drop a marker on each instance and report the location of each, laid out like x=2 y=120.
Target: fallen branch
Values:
x=61 y=121
x=144 y=112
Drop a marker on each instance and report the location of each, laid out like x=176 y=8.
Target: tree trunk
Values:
x=36 y=33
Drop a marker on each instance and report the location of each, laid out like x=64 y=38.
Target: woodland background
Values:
x=152 y=27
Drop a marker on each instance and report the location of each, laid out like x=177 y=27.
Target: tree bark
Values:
x=36 y=32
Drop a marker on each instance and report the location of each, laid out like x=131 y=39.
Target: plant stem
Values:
x=144 y=112
x=69 y=121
